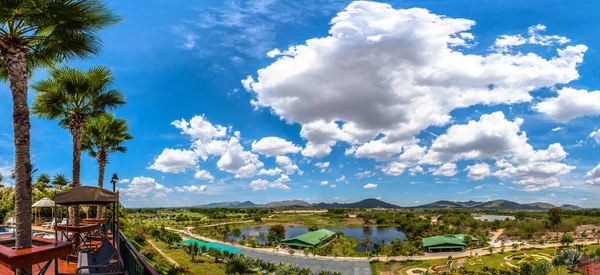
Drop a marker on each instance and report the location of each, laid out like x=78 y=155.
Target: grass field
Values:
x=202 y=265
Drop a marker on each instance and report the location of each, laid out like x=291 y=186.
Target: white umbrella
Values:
x=44 y=202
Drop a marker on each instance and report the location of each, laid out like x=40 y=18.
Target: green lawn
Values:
x=494 y=260
x=202 y=265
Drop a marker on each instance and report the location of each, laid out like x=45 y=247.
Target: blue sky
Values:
x=409 y=101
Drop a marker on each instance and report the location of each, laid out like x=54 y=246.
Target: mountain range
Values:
x=375 y=203
x=497 y=204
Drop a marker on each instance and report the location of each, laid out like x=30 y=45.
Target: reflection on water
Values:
x=376 y=233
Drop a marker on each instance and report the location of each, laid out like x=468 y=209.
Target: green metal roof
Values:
x=446 y=247
x=446 y=241
x=309 y=239
x=462 y=237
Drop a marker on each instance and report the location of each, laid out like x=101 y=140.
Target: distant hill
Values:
x=246 y=204
x=367 y=203
x=444 y=204
x=496 y=204
x=570 y=207
x=375 y=203
x=225 y=204
x=541 y=205
x=469 y=203
x=288 y=204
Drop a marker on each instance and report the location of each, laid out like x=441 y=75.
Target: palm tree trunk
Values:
x=17 y=70
x=76 y=131
x=101 y=165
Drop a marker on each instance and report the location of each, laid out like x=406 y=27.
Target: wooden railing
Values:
x=133 y=262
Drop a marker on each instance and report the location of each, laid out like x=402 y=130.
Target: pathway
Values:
x=162 y=253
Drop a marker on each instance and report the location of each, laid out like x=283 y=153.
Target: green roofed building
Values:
x=447 y=242
x=309 y=239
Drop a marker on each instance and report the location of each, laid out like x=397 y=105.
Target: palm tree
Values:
x=542 y=267
x=73 y=96
x=571 y=258
x=192 y=249
x=103 y=136
x=59 y=181
x=238 y=264
x=33 y=34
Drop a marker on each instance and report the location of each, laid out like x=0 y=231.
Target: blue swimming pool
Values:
x=12 y=229
x=213 y=245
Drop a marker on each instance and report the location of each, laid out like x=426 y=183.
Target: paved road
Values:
x=315 y=264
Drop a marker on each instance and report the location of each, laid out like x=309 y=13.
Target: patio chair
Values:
x=63 y=222
x=98 y=261
x=49 y=224
x=39 y=235
x=5 y=235
x=10 y=221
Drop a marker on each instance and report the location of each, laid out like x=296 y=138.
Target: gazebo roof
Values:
x=44 y=202
x=86 y=195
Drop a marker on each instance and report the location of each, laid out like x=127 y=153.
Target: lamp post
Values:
x=114 y=181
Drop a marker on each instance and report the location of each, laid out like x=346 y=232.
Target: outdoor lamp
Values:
x=114 y=181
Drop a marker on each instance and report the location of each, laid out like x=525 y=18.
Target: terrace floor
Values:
x=64 y=267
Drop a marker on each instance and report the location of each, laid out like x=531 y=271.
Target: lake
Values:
x=376 y=233
x=492 y=218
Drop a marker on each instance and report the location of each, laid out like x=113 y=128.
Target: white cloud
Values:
x=505 y=42
x=446 y=169
x=364 y=174
x=477 y=187
x=324 y=182
x=333 y=186
x=259 y=185
x=496 y=138
x=262 y=185
x=596 y=136
x=271 y=172
x=192 y=189
x=416 y=170
x=199 y=128
x=143 y=187
x=204 y=175
x=370 y=186
x=124 y=181
x=412 y=152
x=283 y=178
x=322 y=164
x=243 y=164
x=340 y=179
x=379 y=150
x=174 y=161
x=287 y=165
x=412 y=64
x=394 y=169
x=274 y=146
x=569 y=104
x=305 y=186
x=478 y=171
x=557 y=129
x=594 y=176
x=207 y=138
x=274 y=53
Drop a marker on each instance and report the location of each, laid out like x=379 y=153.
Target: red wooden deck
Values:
x=63 y=266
